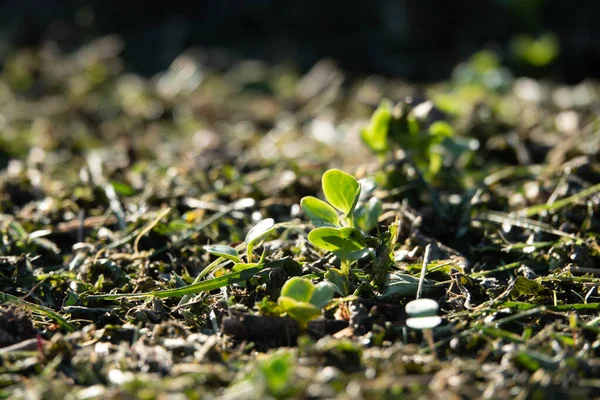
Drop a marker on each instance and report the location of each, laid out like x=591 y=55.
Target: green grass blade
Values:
x=6 y=298
x=539 y=208
x=204 y=286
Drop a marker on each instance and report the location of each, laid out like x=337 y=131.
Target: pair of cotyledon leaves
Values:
x=303 y=300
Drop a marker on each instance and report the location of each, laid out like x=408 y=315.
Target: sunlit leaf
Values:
x=376 y=134
x=299 y=289
x=300 y=311
x=342 y=241
x=341 y=190
x=260 y=230
x=220 y=250
x=244 y=266
x=319 y=212
x=322 y=294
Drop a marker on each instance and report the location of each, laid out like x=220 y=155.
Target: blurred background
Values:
x=417 y=40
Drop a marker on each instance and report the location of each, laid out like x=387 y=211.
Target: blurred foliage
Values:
x=414 y=39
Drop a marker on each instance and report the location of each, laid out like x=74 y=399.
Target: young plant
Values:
x=303 y=300
x=336 y=223
x=255 y=235
x=224 y=252
x=426 y=144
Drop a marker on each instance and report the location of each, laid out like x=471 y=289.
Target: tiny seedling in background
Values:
x=303 y=301
x=375 y=135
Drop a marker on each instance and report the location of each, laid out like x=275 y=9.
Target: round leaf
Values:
x=341 y=190
x=319 y=212
x=367 y=214
x=299 y=289
x=220 y=250
x=376 y=134
x=423 y=322
x=323 y=293
x=300 y=311
x=422 y=308
x=341 y=240
x=260 y=230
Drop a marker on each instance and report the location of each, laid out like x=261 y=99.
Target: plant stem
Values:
x=345 y=268
x=249 y=251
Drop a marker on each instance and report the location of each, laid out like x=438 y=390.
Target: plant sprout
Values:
x=258 y=232
x=303 y=300
x=339 y=233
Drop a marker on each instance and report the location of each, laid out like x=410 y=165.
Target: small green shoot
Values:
x=258 y=232
x=376 y=134
x=303 y=300
x=277 y=371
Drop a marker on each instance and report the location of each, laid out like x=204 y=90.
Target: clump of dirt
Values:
x=15 y=326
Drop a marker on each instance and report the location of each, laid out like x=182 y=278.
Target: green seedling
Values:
x=339 y=233
x=403 y=125
x=375 y=135
x=342 y=192
x=423 y=316
x=303 y=300
x=256 y=234
x=277 y=372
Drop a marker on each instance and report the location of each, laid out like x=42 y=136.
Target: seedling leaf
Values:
x=260 y=230
x=243 y=266
x=338 y=280
x=299 y=289
x=220 y=250
x=319 y=212
x=441 y=129
x=367 y=214
x=376 y=134
x=322 y=294
x=301 y=311
x=341 y=190
x=341 y=241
